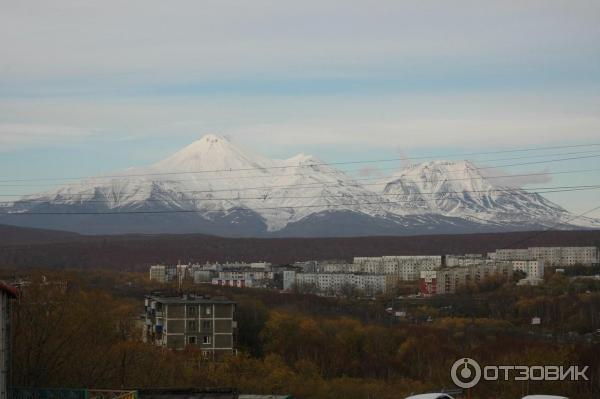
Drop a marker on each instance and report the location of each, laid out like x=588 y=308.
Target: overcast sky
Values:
x=94 y=86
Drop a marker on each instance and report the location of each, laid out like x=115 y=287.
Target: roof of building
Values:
x=9 y=289
x=189 y=299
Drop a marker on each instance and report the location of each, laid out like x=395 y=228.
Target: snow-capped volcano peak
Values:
x=213 y=186
x=463 y=189
x=449 y=175
x=211 y=153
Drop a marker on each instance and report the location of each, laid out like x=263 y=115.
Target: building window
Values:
x=192 y=340
x=206 y=339
x=205 y=354
x=208 y=310
x=191 y=310
x=206 y=324
x=191 y=324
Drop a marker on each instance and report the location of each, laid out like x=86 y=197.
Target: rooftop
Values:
x=188 y=298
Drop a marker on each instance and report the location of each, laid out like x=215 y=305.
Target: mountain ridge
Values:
x=212 y=186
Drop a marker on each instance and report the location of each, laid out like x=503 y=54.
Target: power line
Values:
x=373 y=194
x=143 y=212
x=319 y=184
x=333 y=172
x=539 y=233
x=298 y=166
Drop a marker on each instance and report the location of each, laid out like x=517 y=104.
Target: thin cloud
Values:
x=15 y=135
x=536 y=177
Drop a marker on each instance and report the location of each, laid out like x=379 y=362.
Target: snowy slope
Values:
x=461 y=189
x=278 y=191
x=212 y=186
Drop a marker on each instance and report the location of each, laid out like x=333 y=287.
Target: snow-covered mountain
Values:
x=461 y=189
x=215 y=187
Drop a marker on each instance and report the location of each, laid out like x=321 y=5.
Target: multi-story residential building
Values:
x=165 y=274
x=428 y=281
x=247 y=274
x=510 y=254
x=158 y=273
x=203 y=276
x=189 y=320
x=552 y=256
x=289 y=279
x=463 y=260
x=335 y=283
x=566 y=256
x=234 y=282
x=532 y=268
x=369 y=264
x=447 y=280
x=406 y=268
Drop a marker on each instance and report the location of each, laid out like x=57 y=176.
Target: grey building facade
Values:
x=176 y=322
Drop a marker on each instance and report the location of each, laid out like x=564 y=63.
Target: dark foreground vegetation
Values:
x=22 y=247
x=88 y=335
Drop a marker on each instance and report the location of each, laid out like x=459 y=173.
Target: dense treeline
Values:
x=89 y=336
x=137 y=252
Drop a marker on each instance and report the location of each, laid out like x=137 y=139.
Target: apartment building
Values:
x=165 y=274
x=247 y=274
x=510 y=254
x=234 y=282
x=552 y=256
x=464 y=260
x=566 y=256
x=175 y=322
x=368 y=264
x=448 y=280
x=335 y=283
x=405 y=268
x=158 y=273
x=289 y=279
x=533 y=269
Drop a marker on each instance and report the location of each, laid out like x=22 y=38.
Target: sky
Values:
x=89 y=87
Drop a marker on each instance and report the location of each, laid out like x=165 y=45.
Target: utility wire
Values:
x=238 y=208
x=505 y=191
x=263 y=176
x=330 y=183
x=298 y=166
x=553 y=227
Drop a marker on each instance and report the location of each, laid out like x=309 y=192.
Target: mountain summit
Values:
x=463 y=190
x=213 y=186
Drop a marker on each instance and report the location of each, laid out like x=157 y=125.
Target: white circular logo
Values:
x=465 y=373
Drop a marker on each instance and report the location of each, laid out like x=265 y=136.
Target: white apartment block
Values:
x=236 y=282
x=464 y=260
x=336 y=282
x=246 y=275
x=510 y=254
x=289 y=279
x=566 y=256
x=449 y=279
x=158 y=273
x=552 y=256
x=406 y=268
x=532 y=268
